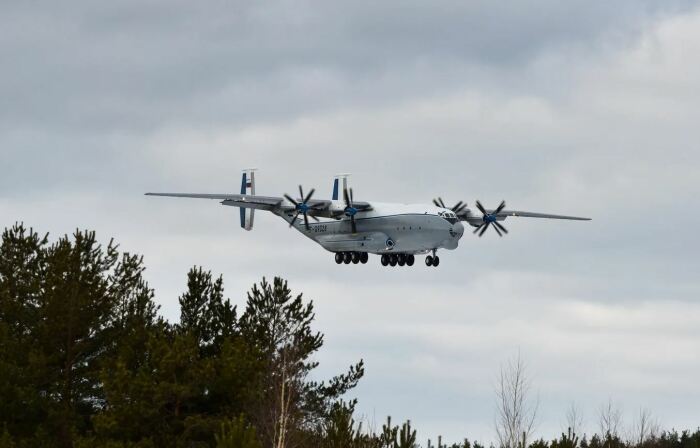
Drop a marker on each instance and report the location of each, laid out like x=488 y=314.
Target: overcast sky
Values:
x=581 y=107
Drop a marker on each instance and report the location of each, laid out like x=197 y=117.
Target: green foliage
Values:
x=6 y=440
x=407 y=436
x=86 y=361
x=237 y=433
x=568 y=440
x=288 y=404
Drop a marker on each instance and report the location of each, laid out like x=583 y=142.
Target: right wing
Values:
x=506 y=213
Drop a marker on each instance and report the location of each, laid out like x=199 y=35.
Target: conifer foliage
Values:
x=86 y=361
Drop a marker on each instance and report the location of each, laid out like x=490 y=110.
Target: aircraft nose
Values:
x=458 y=230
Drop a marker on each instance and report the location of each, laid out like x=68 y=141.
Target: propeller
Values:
x=490 y=218
x=458 y=207
x=350 y=211
x=302 y=207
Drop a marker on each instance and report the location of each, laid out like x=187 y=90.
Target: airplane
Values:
x=354 y=229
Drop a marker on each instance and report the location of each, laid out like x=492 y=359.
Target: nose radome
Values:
x=458 y=229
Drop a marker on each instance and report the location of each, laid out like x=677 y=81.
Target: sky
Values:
x=586 y=108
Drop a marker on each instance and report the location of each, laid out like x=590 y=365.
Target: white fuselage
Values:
x=386 y=228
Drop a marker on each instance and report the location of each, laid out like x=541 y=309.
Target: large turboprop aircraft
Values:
x=353 y=229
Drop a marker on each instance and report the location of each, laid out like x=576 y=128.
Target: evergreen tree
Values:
x=204 y=312
x=288 y=405
x=237 y=433
x=22 y=263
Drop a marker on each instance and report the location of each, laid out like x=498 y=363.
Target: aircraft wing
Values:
x=238 y=200
x=475 y=217
x=506 y=213
x=250 y=201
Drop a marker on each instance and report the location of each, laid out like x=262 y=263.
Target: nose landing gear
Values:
x=432 y=260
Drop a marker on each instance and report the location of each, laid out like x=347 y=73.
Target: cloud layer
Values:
x=583 y=108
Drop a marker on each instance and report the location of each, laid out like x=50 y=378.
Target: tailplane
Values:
x=248 y=188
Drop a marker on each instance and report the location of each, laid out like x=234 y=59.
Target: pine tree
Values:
x=237 y=433
x=278 y=325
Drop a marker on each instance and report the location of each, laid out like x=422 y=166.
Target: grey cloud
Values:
x=137 y=65
x=579 y=107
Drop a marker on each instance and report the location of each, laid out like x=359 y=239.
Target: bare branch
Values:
x=610 y=420
x=515 y=411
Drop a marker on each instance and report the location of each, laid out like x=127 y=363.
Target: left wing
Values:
x=316 y=207
x=237 y=200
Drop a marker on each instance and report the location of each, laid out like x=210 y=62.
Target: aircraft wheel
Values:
x=339 y=257
x=385 y=260
x=436 y=261
x=410 y=259
x=401 y=260
x=429 y=260
x=393 y=259
x=364 y=257
x=347 y=257
x=355 y=257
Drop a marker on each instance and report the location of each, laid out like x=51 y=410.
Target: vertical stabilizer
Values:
x=340 y=184
x=247 y=188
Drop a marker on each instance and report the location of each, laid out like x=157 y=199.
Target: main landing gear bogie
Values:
x=398 y=259
x=351 y=257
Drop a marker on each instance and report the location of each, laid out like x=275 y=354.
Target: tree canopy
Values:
x=86 y=361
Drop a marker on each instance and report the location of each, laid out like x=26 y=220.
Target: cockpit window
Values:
x=450 y=217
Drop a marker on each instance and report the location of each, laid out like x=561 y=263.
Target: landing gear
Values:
x=398 y=259
x=432 y=260
x=351 y=257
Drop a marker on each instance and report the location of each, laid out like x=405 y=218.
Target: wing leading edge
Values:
x=506 y=213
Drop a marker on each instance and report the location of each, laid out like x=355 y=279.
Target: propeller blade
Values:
x=486 y=226
x=457 y=206
x=315 y=218
x=442 y=203
x=499 y=226
x=346 y=197
x=353 y=225
x=437 y=204
x=481 y=207
x=308 y=196
x=500 y=207
x=301 y=194
x=352 y=201
x=291 y=223
x=478 y=228
x=497 y=231
x=289 y=198
x=462 y=207
x=306 y=221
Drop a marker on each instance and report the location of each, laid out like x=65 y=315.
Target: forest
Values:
x=87 y=361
